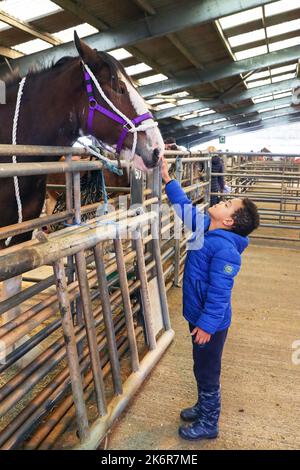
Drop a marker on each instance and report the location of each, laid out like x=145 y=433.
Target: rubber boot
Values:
x=193 y=412
x=206 y=426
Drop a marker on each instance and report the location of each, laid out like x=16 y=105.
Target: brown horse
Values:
x=55 y=110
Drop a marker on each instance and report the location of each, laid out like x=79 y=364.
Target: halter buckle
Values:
x=92 y=103
x=127 y=126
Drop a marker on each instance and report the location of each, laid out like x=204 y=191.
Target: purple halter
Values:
x=95 y=106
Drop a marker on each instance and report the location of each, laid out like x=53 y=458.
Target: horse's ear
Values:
x=88 y=55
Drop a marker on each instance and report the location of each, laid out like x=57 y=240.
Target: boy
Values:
x=207 y=283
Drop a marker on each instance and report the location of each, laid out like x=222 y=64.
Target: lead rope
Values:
x=14 y=158
x=132 y=128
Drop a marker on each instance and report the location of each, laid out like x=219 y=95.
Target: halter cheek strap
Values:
x=129 y=125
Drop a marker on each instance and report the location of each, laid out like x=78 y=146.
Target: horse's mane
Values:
x=114 y=66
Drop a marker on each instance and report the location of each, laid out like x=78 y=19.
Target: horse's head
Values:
x=105 y=123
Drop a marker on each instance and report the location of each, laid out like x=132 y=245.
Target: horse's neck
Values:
x=46 y=115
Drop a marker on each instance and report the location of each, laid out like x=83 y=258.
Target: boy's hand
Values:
x=164 y=170
x=201 y=337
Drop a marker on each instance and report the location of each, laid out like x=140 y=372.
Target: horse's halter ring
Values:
x=129 y=125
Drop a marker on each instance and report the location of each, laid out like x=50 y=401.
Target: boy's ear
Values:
x=228 y=222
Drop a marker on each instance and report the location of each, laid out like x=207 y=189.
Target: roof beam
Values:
x=231 y=114
x=10 y=53
x=82 y=13
x=214 y=133
x=192 y=78
x=27 y=28
x=228 y=99
x=166 y=21
x=144 y=5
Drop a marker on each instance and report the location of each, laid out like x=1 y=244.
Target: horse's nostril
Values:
x=155 y=155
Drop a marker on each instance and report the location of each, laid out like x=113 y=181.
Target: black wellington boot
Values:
x=206 y=426
x=192 y=413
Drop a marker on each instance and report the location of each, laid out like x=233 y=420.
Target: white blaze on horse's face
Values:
x=149 y=141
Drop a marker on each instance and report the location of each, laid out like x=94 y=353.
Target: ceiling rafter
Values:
x=227 y=99
x=10 y=53
x=230 y=115
x=28 y=28
x=217 y=72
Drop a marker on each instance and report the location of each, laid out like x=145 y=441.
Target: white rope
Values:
x=14 y=158
x=132 y=128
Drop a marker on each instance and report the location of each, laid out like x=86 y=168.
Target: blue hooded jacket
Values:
x=210 y=268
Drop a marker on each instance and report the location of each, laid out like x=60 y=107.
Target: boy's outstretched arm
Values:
x=192 y=217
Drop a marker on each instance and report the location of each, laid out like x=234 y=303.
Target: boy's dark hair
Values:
x=245 y=219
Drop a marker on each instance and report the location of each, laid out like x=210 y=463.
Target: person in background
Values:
x=217 y=182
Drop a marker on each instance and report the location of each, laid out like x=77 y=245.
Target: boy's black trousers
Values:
x=208 y=360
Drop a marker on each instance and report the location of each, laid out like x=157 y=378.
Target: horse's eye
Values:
x=122 y=88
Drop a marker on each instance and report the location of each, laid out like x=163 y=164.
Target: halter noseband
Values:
x=129 y=125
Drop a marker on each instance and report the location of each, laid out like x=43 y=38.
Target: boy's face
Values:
x=223 y=212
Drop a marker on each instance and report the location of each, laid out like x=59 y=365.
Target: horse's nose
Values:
x=155 y=155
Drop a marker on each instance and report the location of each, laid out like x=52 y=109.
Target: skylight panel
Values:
x=137 y=68
x=166 y=106
x=245 y=38
x=83 y=30
x=188 y=116
x=4 y=26
x=204 y=113
x=241 y=18
x=206 y=123
x=258 y=75
x=219 y=120
x=281 y=106
x=286 y=76
x=262 y=99
x=27 y=10
x=154 y=101
x=159 y=77
x=265 y=109
x=281 y=6
x=276 y=46
x=182 y=94
x=30 y=47
x=186 y=101
x=283 y=28
x=120 y=54
x=284 y=68
x=256 y=83
x=254 y=51
x=282 y=95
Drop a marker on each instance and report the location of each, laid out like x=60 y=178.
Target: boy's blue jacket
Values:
x=209 y=269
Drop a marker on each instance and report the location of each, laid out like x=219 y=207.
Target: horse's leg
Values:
x=10 y=288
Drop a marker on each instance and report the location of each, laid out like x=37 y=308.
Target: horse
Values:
x=89 y=94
